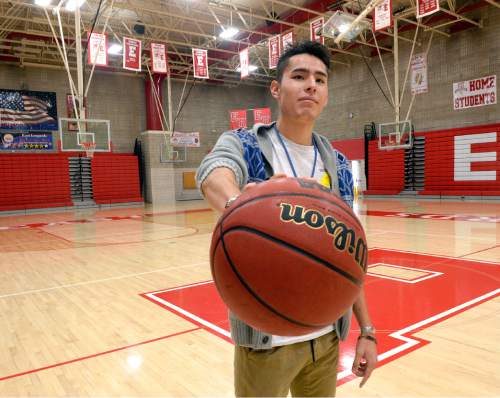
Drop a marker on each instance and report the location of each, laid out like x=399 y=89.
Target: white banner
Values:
x=159 y=63
x=316 y=27
x=98 y=49
x=382 y=15
x=244 y=63
x=474 y=93
x=286 y=40
x=200 y=63
x=419 y=74
x=185 y=139
x=274 y=51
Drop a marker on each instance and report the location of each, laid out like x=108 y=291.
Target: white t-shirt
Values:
x=302 y=157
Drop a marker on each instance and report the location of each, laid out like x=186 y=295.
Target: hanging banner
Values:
x=98 y=49
x=274 y=51
x=159 y=61
x=262 y=115
x=316 y=28
x=200 y=63
x=474 y=93
x=382 y=15
x=28 y=110
x=132 y=54
x=238 y=119
x=427 y=7
x=18 y=141
x=185 y=139
x=244 y=63
x=419 y=74
x=287 y=40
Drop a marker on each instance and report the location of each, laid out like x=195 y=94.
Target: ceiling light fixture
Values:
x=43 y=3
x=227 y=33
x=72 y=5
x=115 y=49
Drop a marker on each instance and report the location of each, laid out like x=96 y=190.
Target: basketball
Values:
x=288 y=257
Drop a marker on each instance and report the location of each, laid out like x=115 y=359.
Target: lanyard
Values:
x=290 y=159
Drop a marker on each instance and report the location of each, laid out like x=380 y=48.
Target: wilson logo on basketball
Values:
x=343 y=237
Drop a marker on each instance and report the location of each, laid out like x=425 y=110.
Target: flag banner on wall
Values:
x=28 y=110
x=427 y=7
x=238 y=119
x=98 y=49
x=419 y=74
x=262 y=115
x=200 y=63
x=244 y=63
x=25 y=141
x=287 y=40
x=382 y=15
x=185 y=139
x=132 y=54
x=474 y=93
x=159 y=61
x=274 y=51
x=316 y=28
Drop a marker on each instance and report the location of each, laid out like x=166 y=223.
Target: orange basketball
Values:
x=288 y=257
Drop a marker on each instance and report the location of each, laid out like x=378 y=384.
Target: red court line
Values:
x=96 y=355
x=479 y=251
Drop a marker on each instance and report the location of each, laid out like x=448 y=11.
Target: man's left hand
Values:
x=365 y=360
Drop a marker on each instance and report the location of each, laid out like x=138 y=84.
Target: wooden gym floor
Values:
x=119 y=302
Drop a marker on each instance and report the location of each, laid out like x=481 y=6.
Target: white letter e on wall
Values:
x=464 y=157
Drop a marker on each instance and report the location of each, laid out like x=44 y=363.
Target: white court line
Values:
x=99 y=280
x=408 y=341
x=430 y=274
x=437 y=255
x=189 y=314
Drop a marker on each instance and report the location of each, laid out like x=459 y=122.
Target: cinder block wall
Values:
x=111 y=96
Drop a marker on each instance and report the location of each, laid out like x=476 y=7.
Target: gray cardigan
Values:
x=234 y=151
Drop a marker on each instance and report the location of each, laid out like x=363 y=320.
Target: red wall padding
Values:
x=115 y=179
x=451 y=162
x=353 y=148
x=34 y=181
x=386 y=171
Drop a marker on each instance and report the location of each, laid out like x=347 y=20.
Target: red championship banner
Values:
x=238 y=118
x=274 y=51
x=316 y=28
x=287 y=40
x=159 y=60
x=382 y=16
x=474 y=93
x=200 y=63
x=132 y=54
x=427 y=7
x=244 y=63
x=98 y=49
x=262 y=115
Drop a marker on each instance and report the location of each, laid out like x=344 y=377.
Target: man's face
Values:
x=303 y=91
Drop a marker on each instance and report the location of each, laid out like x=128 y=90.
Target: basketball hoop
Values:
x=89 y=148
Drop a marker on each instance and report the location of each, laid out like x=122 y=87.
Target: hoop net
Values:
x=89 y=148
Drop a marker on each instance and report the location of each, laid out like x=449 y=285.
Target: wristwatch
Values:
x=367 y=330
x=231 y=200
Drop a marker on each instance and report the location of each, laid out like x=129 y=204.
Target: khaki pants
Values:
x=307 y=369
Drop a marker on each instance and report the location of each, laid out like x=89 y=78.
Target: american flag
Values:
x=17 y=109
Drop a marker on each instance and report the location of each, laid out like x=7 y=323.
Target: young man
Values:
x=267 y=365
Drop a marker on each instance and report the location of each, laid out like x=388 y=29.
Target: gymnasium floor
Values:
x=119 y=302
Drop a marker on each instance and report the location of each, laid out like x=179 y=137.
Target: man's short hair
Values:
x=313 y=48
